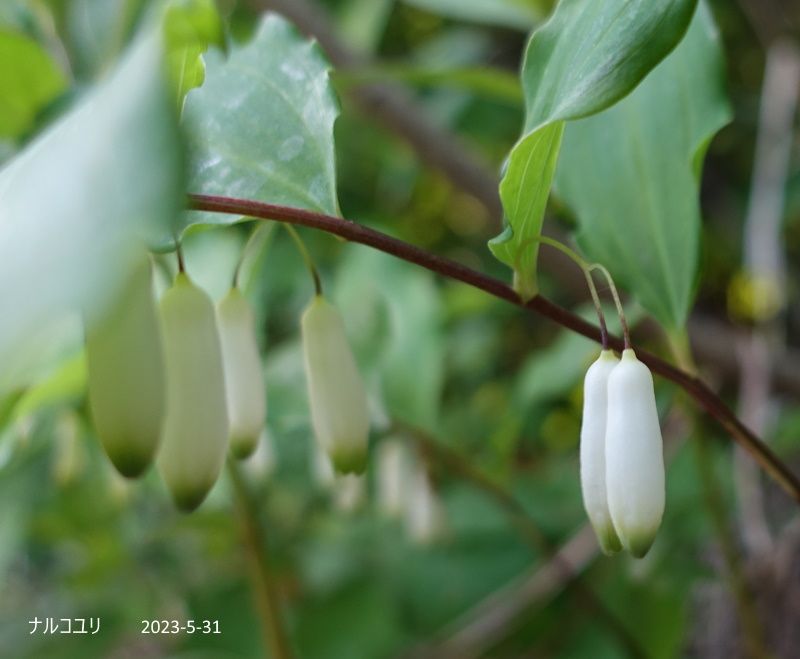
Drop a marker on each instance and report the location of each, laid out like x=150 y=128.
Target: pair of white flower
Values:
x=622 y=463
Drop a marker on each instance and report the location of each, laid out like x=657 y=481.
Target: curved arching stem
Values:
x=586 y=268
x=695 y=387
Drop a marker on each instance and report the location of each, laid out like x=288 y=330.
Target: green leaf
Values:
x=519 y=14
x=190 y=26
x=588 y=56
x=631 y=175
x=75 y=204
x=29 y=79
x=393 y=316
x=261 y=127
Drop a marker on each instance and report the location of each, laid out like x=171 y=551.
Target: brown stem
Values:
x=358 y=233
x=267 y=600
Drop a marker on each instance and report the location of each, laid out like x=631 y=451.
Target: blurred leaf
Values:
x=631 y=174
x=29 y=79
x=486 y=82
x=362 y=23
x=76 y=203
x=190 y=26
x=67 y=382
x=585 y=58
x=393 y=314
x=358 y=621
x=261 y=126
x=96 y=31
x=519 y=14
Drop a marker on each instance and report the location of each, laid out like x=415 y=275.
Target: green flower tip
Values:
x=188 y=499
x=639 y=544
x=608 y=540
x=349 y=461
x=242 y=448
x=130 y=463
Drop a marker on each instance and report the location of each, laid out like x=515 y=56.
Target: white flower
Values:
x=425 y=516
x=126 y=375
x=393 y=474
x=593 y=450
x=634 y=455
x=336 y=392
x=196 y=429
x=244 y=382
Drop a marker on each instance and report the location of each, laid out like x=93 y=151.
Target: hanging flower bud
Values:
x=634 y=455
x=196 y=428
x=425 y=517
x=126 y=376
x=336 y=392
x=393 y=475
x=244 y=382
x=593 y=450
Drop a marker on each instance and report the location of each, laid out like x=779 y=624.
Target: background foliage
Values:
x=495 y=386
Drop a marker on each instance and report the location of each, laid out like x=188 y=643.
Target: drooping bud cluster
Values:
x=183 y=383
x=622 y=463
x=179 y=383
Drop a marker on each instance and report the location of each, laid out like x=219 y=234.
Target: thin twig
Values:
x=358 y=233
x=266 y=596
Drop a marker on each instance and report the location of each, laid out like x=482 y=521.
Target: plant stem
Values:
x=615 y=294
x=358 y=233
x=301 y=247
x=255 y=240
x=267 y=600
x=587 y=273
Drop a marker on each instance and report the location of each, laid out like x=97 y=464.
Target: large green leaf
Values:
x=261 y=126
x=74 y=204
x=631 y=174
x=588 y=56
x=29 y=79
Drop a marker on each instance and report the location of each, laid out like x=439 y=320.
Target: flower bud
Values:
x=425 y=516
x=126 y=376
x=196 y=428
x=393 y=475
x=634 y=455
x=244 y=382
x=593 y=450
x=336 y=392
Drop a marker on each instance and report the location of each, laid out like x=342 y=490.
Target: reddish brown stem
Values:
x=358 y=233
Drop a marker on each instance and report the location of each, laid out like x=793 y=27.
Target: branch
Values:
x=265 y=594
x=363 y=235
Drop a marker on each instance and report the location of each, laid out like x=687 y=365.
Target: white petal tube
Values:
x=394 y=475
x=336 y=392
x=196 y=429
x=634 y=455
x=126 y=376
x=244 y=382
x=593 y=450
x=425 y=516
